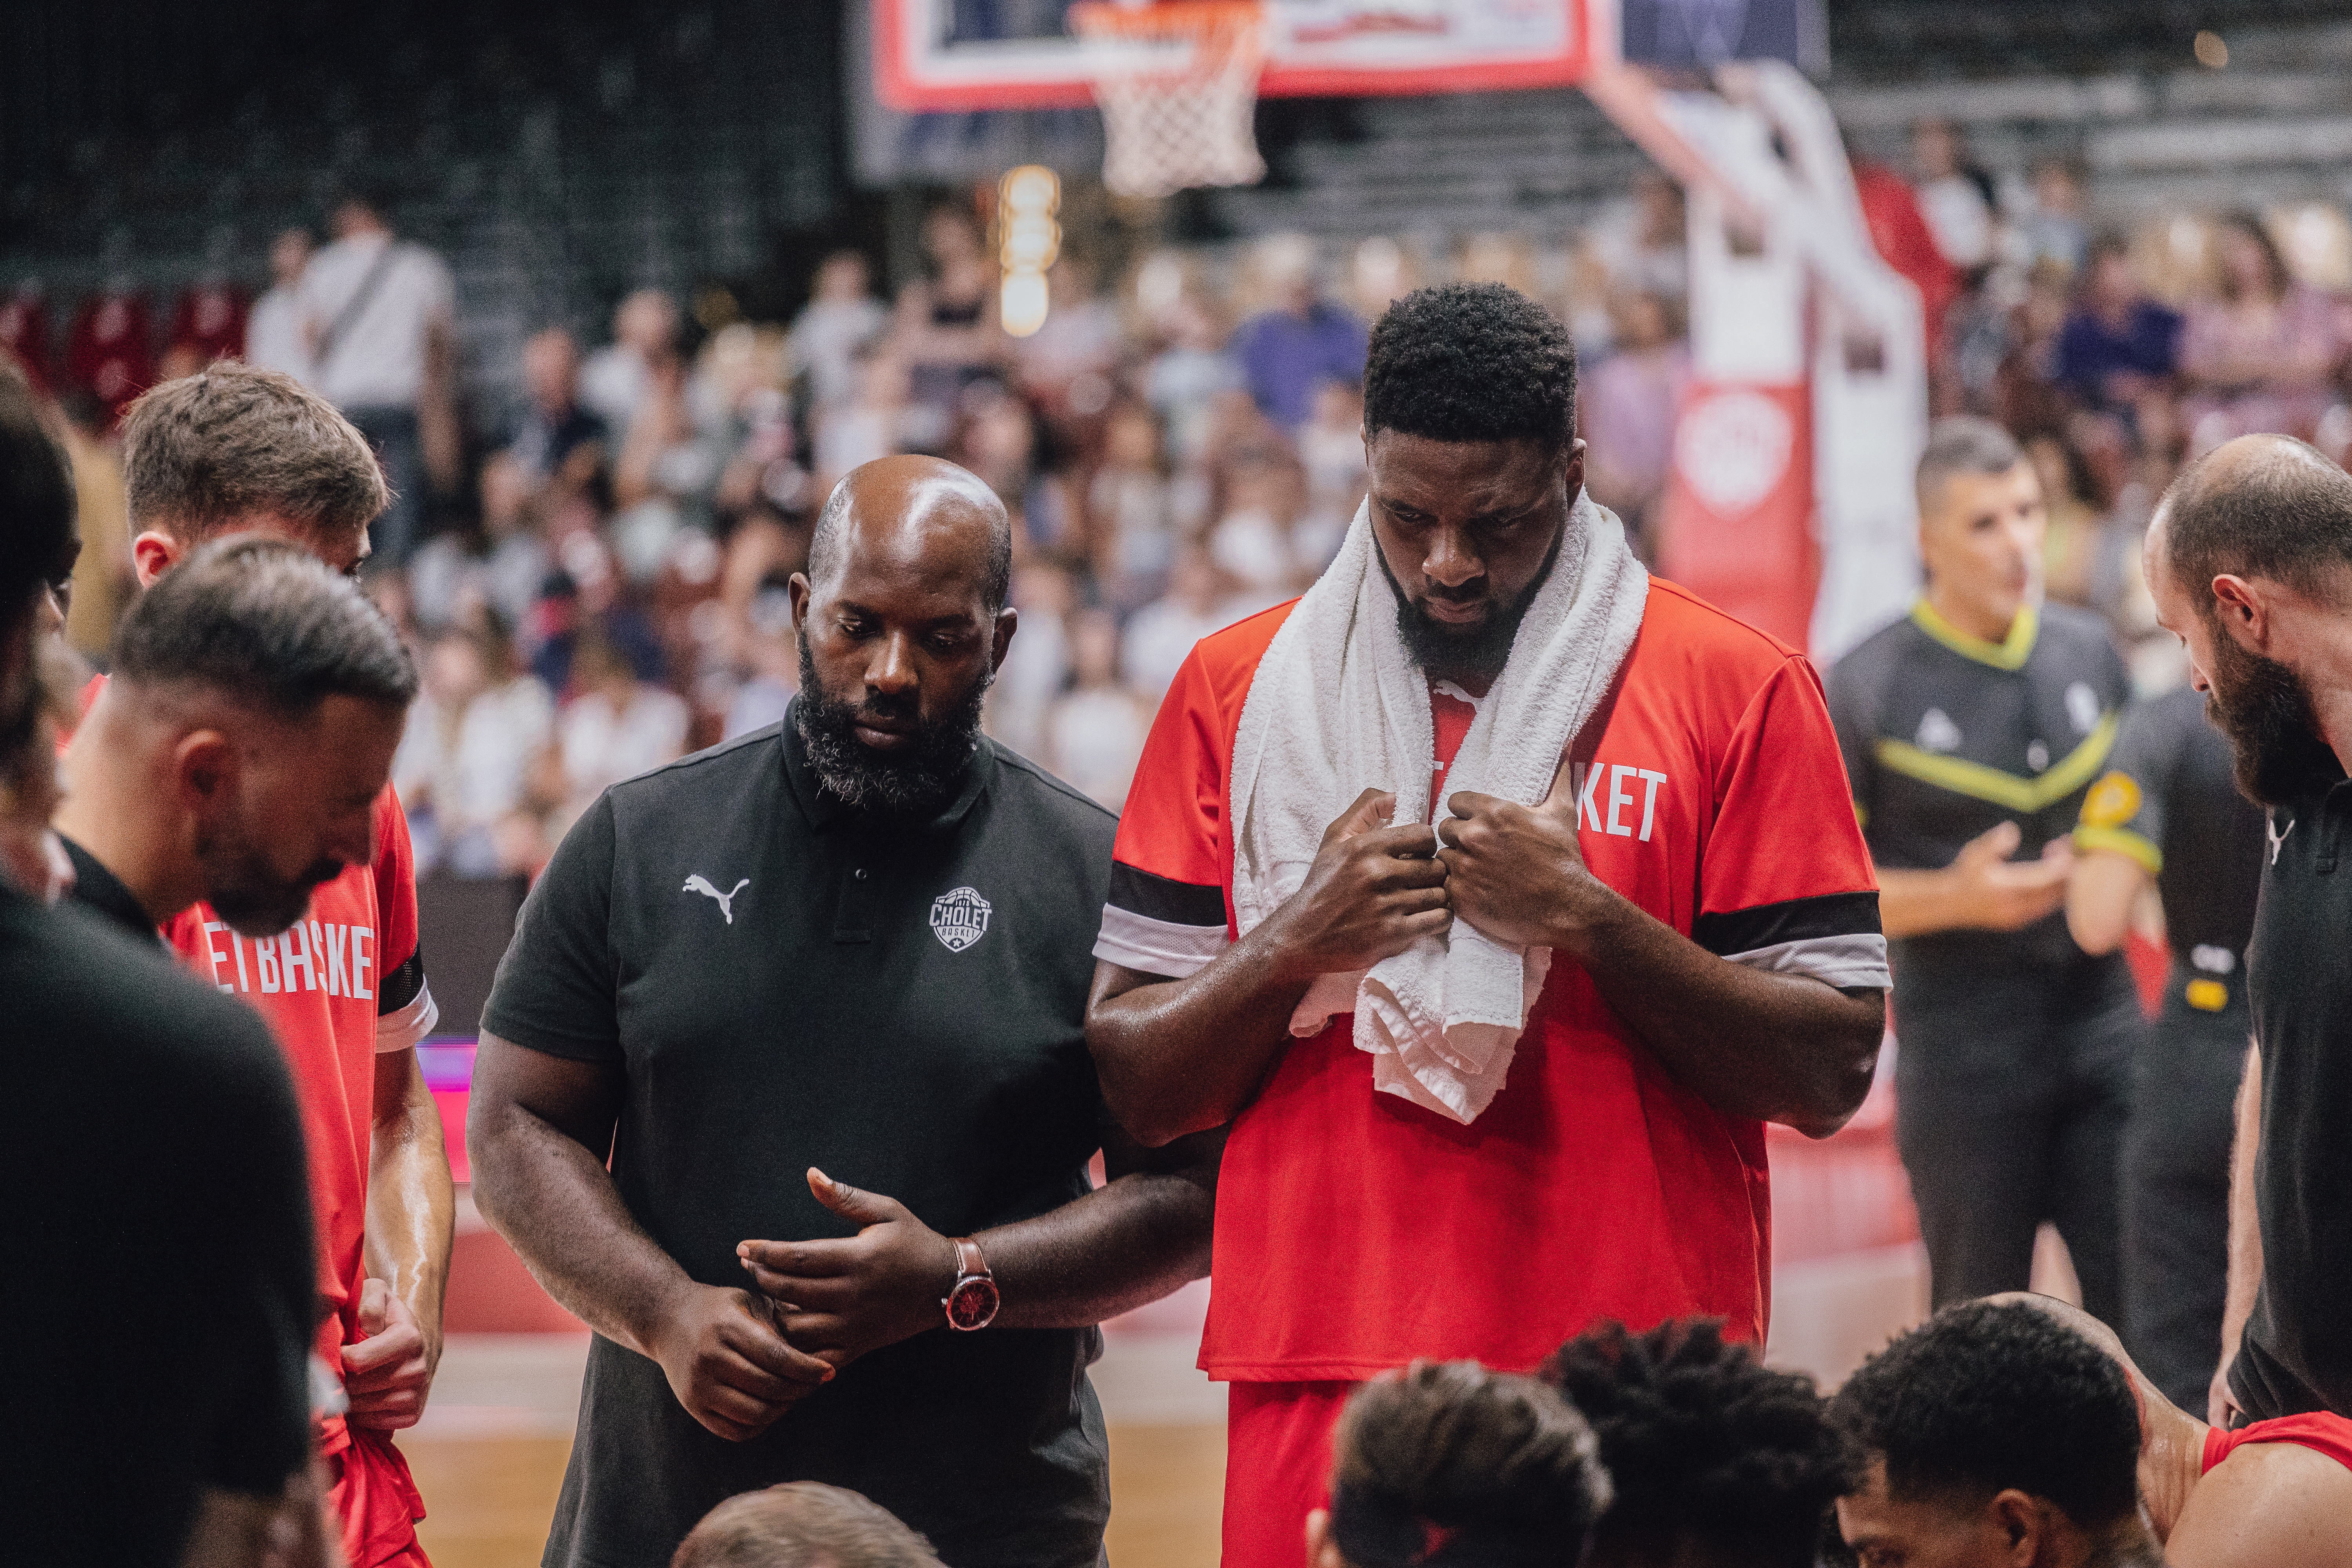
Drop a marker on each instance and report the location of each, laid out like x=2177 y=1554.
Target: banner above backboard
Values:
x=948 y=54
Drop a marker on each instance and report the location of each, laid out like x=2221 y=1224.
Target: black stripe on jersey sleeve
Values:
x=1158 y=899
x=399 y=988
x=1793 y=920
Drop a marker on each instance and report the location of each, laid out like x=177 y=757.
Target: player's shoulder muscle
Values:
x=2268 y=1505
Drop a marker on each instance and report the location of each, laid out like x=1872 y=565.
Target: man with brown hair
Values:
x=130 y=1083
x=802 y=1524
x=236 y=450
x=239 y=450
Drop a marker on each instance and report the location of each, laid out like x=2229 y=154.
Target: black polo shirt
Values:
x=2170 y=800
x=148 y=1117
x=1945 y=736
x=2298 y=1355
x=103 y=893
x=783 y=983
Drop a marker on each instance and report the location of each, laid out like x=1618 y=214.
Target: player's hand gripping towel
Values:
x=1338 y=706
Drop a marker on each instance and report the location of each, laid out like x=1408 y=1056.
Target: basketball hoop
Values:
x=1177 y=82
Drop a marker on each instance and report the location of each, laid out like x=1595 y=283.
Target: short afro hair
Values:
x=1702 y=1441
x=1471 y=362
x=1987 y=1395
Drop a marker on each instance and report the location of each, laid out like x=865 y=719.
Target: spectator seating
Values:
x=555 y=167
x=2156 y=130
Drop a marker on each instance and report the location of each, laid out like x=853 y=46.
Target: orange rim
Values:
x=1166 y=19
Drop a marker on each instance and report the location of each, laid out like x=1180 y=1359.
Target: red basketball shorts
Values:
x=1277 y=1468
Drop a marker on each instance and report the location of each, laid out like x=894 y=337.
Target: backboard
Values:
x=958 y=55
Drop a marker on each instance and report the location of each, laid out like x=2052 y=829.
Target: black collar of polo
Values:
x=104 y=892
x=823 y=809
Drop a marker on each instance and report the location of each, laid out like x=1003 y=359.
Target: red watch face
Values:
x=972 y=1304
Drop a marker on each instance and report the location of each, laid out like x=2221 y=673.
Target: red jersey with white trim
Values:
x=1356 y=1230
x=343 y=984
x=2322 y=1431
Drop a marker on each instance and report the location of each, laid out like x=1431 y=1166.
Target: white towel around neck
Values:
x=1337 y=706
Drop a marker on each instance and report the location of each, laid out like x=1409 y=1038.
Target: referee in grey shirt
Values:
x=851 y=948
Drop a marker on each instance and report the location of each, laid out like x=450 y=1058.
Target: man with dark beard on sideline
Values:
x=848 y=948
x=2250 y=562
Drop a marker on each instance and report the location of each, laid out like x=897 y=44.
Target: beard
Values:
x=1442 y=650
x=2262 y=706
x=915 y=781
x=253 y=899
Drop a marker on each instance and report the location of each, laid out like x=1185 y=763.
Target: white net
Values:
x=1175 y=117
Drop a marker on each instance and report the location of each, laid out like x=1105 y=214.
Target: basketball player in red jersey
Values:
x=2274 y=1494
x=1711 y=924
x=235 y=450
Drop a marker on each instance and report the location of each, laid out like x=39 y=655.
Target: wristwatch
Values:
x=971 y=1300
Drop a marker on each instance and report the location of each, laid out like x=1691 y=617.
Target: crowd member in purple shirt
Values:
x=1289 y=352
x=2118 y=346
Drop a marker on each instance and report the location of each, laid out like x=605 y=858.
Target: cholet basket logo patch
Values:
x=959 y=919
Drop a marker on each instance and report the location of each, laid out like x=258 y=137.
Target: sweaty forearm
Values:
x=1777 y=1048
x=1125 y=1243
x=411 y=1200
x=2245 y=1267
x=1177 y=1057
x=556 y=1205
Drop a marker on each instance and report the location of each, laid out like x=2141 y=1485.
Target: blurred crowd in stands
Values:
x=600 y=585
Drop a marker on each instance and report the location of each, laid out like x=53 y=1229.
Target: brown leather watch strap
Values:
x=971 y=1261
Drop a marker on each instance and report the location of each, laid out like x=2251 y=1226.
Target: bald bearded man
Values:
x=851 y=948
x=2248 y=562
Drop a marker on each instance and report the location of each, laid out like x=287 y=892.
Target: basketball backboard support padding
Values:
x=933 y=56
x=1700 y=35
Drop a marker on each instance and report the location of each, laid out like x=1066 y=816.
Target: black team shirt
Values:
x=158 y=1300
x=2298 y=1355
x=783 y=983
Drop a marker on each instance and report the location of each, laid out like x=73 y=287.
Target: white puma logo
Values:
x=2272 y=831
x=697 y=883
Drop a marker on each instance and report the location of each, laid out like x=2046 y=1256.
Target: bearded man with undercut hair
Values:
x=236 y=451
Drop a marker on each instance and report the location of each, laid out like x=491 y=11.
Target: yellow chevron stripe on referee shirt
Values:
x=2003 y=789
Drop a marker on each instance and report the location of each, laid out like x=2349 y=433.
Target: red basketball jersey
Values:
x=1356 y=1230
x=2321 y=1430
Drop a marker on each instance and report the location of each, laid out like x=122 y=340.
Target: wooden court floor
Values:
x=490 y=1497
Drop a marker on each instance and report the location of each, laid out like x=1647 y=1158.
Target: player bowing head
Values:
x=1448 y=1465
x=1611 y=944
x=1470 y=436
x=236 y=754
x=902 y=622
x=239 y=450
x=1998 y=1437
x=2264 y=1494
x=1719 y=1461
